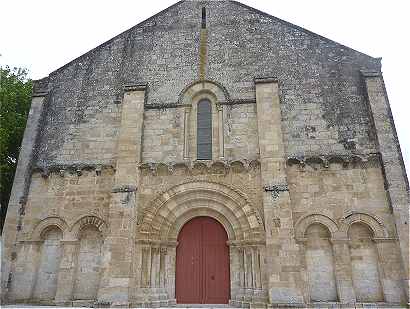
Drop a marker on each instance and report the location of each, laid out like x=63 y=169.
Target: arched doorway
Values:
x=202 y=263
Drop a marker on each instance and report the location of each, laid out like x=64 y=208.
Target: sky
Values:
x=44 y=35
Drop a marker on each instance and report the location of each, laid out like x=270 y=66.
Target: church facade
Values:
x=212 y=154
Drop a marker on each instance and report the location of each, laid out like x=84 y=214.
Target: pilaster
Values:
x=396 y=183
x=343 y=271
x=119 y=244
x=25 y=270
x=282 y=253
x=389 y=270
x=66 y=272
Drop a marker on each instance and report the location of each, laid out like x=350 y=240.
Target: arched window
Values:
x=204 y=130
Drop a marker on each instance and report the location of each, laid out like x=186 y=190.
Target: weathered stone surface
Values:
x=306 y=174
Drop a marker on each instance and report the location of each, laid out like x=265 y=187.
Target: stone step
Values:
x=185 y=306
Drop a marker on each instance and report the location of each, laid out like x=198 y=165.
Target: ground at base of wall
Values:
x=313 y=306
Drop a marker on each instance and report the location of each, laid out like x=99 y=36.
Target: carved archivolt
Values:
x=46 y=224
x=339 y=231
x=303 y=223
x=87 y=221
x=69 y=232
x=187 y=94
x=162 y=219
x=375 y=224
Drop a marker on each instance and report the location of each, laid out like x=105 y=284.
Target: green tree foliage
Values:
x=15 y=98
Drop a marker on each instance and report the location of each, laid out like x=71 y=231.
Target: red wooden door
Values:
x=202 y=267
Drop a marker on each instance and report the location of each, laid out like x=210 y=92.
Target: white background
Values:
x=44 y=35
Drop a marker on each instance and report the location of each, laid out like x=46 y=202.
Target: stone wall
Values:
x=306 y=174
x=240 y=132
x=329 y=196
x=164 y=133
x=68 y=196
x=161 y=179
x=335 y=191
x=322 y=101
x=64 y=209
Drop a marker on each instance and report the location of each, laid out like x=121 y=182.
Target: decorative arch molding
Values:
x=88 y=220
x=303 y=223
x=375 y=224
x=190 y=97
x=174 y=230
x=162 y=219
x=203 y=86
x=47 y=223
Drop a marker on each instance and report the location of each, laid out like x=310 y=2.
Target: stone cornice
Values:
x=246 y=164
x=325 y=160
x=222 y=165
x=77 y=168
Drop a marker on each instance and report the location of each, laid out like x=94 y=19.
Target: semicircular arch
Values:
x=88 y=220
x=303 y=223
x=203 y=86
x=163 y=217
x=374 y=223
x=47 y=223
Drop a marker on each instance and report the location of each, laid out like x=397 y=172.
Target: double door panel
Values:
x=202 y=268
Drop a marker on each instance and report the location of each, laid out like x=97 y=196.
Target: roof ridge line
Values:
x=299 y=28
x=115 y=37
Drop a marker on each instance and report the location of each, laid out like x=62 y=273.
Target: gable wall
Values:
x=322 y=100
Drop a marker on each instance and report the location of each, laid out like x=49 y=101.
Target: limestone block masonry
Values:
x=303 y=170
